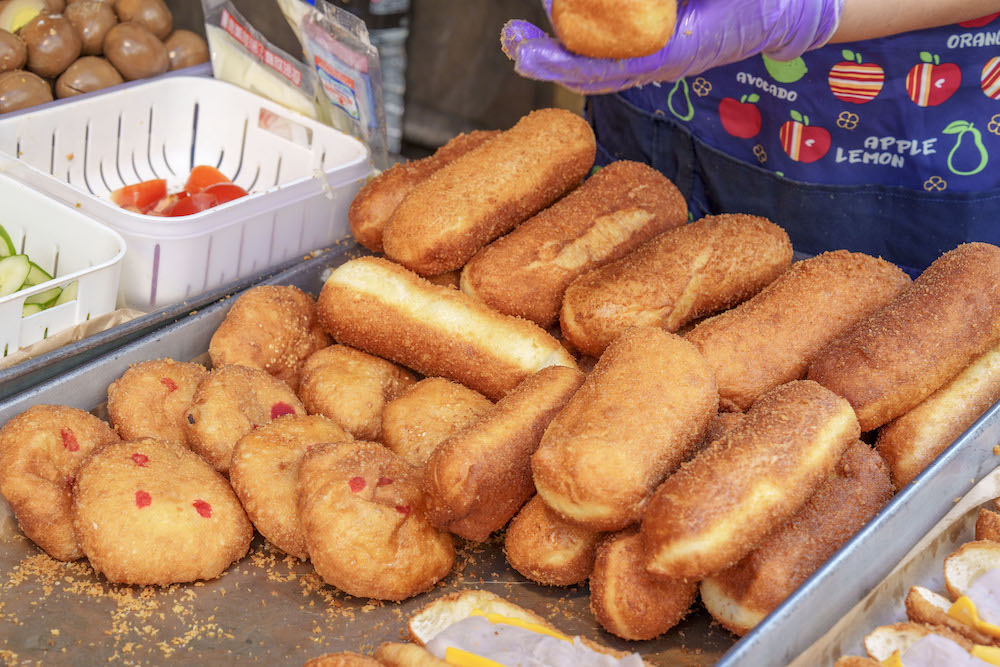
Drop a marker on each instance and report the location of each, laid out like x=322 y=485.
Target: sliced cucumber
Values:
x=6 y=244
x=30 y=309
x=68 y=294
x=36 y=276
x=13 y=270
x=45 y=298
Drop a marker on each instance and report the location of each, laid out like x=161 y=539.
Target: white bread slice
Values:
x=964 y=566
x=434 y=617
x=887 y=639
x=450 y=609
x=927 y=607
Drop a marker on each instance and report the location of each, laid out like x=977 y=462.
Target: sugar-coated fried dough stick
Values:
x=639 y=414
x=549 y=549
x=681 y=275
x=526 y=272
x=626 y=601
x=479 y=478
x=741 y=596
x=378 y=306
x=488 y=191
x=772 y=338
x=910 y=442
x=720 y=505
x=900 y=355
x=377 y=200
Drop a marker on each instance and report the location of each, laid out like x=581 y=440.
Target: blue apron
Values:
x=889 y=147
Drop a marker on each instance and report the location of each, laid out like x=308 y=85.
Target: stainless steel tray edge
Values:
x=873 y=552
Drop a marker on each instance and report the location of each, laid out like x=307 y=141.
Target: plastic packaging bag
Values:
x=243 y=56
x=346 y=65
x=339 y=83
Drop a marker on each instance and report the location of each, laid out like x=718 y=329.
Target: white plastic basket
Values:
x=69 y=246
x=301 y=176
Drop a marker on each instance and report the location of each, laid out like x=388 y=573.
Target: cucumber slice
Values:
x=68 y=294
x=36 y=276
x=13 y=270
x=45 y=297
x=6 y=244
x=30 y=309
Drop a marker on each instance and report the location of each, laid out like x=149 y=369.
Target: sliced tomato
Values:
x=226 y=191
x=196 y=203
x=202 y=177
x=141 y=196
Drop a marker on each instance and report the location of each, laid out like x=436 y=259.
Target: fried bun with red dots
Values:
x=41 y=450
x=231 y=402
x=264 y=473
x=363 y=515
x=149 y=400
x=352 y=388
x=149 y=512
x=270 y=327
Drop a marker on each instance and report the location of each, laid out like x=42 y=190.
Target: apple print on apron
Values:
x=919 y=110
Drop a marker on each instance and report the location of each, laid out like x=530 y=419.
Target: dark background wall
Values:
x=457 y=78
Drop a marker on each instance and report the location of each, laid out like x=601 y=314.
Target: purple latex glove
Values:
x=708 y=33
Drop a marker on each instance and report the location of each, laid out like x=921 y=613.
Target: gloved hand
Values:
x=708 y=33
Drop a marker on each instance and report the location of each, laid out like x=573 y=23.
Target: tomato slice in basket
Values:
x=141 y=196
x=196 y=203
x=202 y=177
x=225 y=191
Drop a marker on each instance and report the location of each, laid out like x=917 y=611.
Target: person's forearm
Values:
x=868 y=19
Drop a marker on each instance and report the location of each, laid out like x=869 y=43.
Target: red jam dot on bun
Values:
x=140 y=459
x=69 y=440
x=356 y=484
x=383 y=481
x=403 y=509
x=169 y=384
x=203 y=508
x=279 y=409
x=142 y=499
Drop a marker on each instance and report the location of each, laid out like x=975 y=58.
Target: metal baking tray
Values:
x=17 y=378
x=267 y=608
x=873 y=552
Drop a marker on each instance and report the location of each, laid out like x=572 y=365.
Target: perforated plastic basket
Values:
x=301 y=176
x=66 y=244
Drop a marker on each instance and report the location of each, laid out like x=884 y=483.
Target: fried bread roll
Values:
x=352 y=388
x=615 y=211
x=639 y=414
x=430 y=412
x=772 y=338
x=607 y=29
x=479 y=478
x=41 y=451
x=548 y=549
x=741 y=596
x=380 y=307
x=270 y=327
x=899 y=356
x=719 y=506
x=885 y=640
x=626 y=601
x=362 y=514
x=484 y=194
x=681 y=275
x=148 y=512
x=910 y=442
x=379 y=197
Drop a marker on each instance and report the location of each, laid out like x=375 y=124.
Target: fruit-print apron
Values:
x=889 y=147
